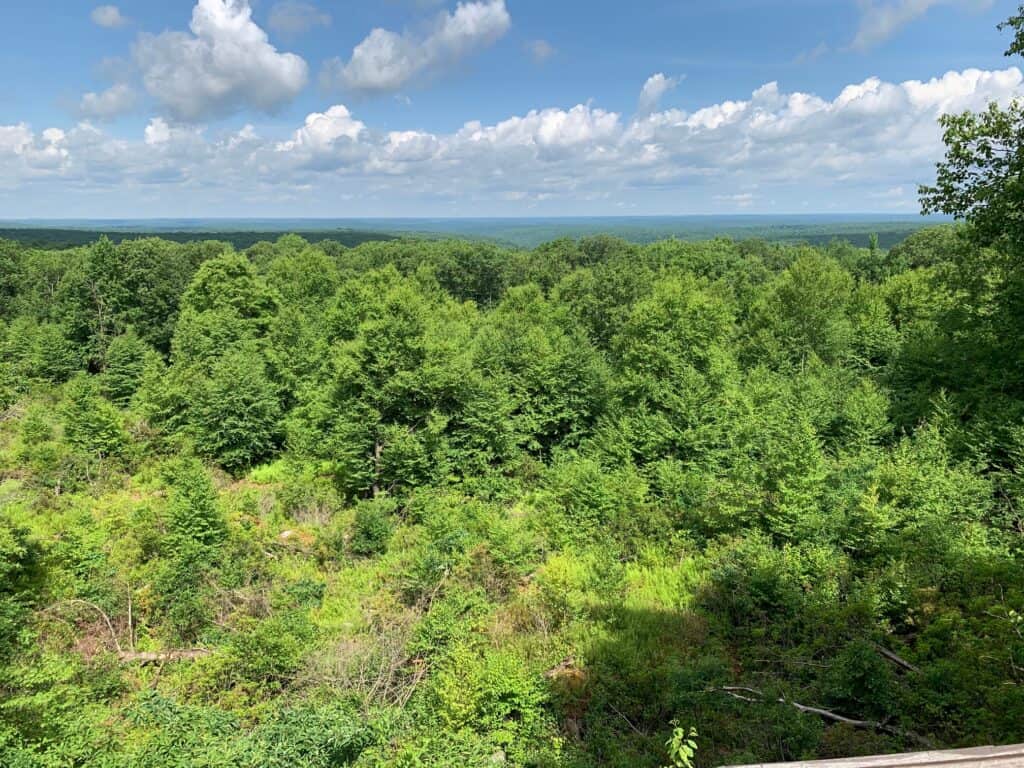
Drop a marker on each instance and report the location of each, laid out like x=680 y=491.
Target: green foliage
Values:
x=19 y=568
x=980 y=178
x=39 y=351
x=469 y=506
x=136 y=284
x=472 y=506
x=492 y=693
x=124 y=365
x=193 y=512
x=805 y=311
x=556 y=380
x=372 y=528
x=681 y=746
x=235 y=418
x=91 y=423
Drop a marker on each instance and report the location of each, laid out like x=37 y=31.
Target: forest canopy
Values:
x=442 y=503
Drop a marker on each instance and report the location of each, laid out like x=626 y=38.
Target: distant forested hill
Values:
x=55 y=237
x=517 y=232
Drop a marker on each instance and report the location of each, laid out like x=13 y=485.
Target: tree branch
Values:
x=755 y=696
x=897 y=660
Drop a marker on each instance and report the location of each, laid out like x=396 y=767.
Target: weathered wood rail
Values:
x=986 y=757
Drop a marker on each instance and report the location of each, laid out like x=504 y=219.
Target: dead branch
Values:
x=755 y=696
x=628 y=721
x=93 y=606
x=897 y=660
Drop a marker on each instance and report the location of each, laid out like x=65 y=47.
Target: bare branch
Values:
x=93 y=606
x=755 y=696
x=897 y=660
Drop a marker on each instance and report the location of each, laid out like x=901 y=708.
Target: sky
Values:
x=437 y=108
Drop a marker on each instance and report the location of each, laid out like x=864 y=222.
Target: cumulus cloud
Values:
x=108 y=16
x=226 y=64
x=106 y=105
x=546 y=129
x=32 y=155
x=327 y=141
x=870 y=142
x=881 y=20
x=656 y=86
x=157 y=132
x=385 y=61
x=292 y=18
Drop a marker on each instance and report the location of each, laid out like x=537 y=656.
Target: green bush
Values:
x=372 y=527
x=91 y=423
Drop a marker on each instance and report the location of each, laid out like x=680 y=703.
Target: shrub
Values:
x=371 y=529
x=91 y=423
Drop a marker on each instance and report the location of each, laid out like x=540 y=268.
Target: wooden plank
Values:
x=989 y=757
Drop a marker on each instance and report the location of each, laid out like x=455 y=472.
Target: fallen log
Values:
x=151 y=657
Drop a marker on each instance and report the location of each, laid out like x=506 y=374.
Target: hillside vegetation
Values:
x=442 y=504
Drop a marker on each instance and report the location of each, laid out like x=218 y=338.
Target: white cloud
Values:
x=385 y=61
x=540 y=50
x=157 y=132
x=30 y=155
x=115 y=101
x=108 y=16
x=14 y=139
x=772 y=146
x=547 y=128
x=323 y=129
x=881 y=20
x=655 y=87
x=292 y=18
x=226 y=64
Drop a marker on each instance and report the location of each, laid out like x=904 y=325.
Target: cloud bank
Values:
x=869 y=139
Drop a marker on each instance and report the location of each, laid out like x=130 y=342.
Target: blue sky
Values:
x=335 y=108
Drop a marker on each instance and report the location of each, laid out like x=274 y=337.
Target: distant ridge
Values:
x=517 y=232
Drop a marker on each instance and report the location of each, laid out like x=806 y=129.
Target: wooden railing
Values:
x=987 y=757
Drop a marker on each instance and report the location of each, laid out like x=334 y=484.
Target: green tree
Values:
x=405 y=403
x=982 y=177
x=136 y=284
x=10 y=276
x=557 y=380
x=124 y=364
x=91 y=423
x=226 y=303
x=193 y=512
x=236 y=416
x=804 y=311
x=20 y=572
